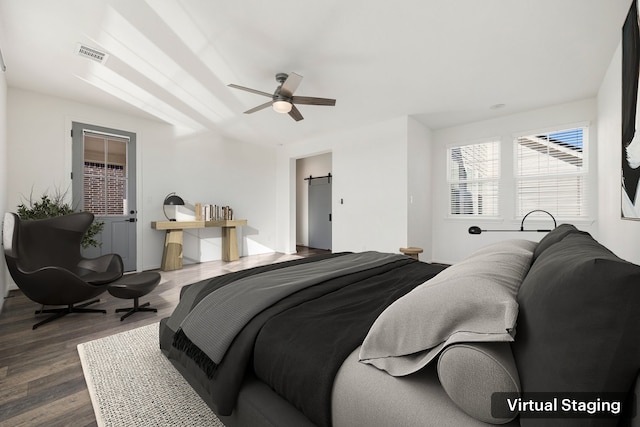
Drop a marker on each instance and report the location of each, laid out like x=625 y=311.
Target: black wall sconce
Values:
x=477 y=230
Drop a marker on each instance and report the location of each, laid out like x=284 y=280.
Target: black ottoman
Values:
x=134 y=286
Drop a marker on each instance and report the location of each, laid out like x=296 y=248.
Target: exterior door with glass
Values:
x=103 y=183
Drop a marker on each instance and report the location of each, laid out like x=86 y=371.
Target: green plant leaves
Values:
x=52 y=206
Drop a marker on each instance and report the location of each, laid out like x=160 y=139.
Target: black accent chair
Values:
x=44 y=259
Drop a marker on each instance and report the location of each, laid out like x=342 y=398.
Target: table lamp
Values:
x=171 y=200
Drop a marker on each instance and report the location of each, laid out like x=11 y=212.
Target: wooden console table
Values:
x=172 y=254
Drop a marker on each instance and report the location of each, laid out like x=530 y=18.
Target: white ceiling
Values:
x=444 y=62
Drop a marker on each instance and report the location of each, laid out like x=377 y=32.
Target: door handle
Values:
x=133 y=219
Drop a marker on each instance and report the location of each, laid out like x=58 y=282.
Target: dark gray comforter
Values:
x=216 y=320
x=318 y=311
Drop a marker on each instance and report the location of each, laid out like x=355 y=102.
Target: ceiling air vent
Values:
x=91 y=53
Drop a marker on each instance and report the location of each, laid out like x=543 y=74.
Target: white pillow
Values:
x=471 y=301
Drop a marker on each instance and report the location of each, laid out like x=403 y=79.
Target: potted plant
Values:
x=52 y=206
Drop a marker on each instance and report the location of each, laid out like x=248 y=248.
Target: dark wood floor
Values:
x=41 y=380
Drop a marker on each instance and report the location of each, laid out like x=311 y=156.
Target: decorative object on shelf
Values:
x=477 y=230
x=208 y=212
x=172 y=199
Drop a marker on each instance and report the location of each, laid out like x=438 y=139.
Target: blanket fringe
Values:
x=183 y=343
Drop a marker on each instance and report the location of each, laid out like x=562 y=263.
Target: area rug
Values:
x=133 y=385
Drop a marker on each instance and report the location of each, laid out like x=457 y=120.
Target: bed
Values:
x=343 y=340
x=325 y=311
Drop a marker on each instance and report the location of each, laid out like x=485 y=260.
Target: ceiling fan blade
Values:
x=295 y=114
x=259 y=107
x=257 y=92
x=291 y=84
x=310 y=100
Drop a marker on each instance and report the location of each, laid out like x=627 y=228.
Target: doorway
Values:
x=104 y=183
x=308 y=209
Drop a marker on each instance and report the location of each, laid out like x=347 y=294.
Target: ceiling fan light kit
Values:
x=282 y=106
x=283 y=100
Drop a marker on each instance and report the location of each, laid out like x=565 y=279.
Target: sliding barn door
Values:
x=320 y=213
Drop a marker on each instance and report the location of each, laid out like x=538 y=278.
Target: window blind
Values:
x=551 y=173
x=473 y=178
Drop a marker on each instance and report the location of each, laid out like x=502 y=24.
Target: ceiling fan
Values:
x=283 y=100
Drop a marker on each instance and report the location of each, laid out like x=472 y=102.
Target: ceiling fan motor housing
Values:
x=281 y=77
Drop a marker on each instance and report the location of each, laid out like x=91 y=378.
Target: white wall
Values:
x=319 y=165
x=369 y=175
x=201 y=167
x=4 y=274
x=621 y=236
x=451 y=241
x=419 y=187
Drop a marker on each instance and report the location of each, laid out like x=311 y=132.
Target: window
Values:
x=473 y=177
x=551 y=173
x=105 y=174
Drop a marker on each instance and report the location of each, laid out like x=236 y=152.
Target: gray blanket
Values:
x=216 y=320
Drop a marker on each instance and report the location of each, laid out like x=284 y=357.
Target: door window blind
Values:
x=473 y=178
x=551 y=173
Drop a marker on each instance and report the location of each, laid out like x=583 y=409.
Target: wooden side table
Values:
x=172 y=254
x=411 y=251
